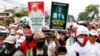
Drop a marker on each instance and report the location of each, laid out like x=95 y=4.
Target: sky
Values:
x=75 y=6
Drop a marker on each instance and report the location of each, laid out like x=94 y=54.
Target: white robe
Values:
x=97 y=45
x=87 y=50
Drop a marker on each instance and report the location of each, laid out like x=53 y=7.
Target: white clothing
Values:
x=51 y=45
x=19 y=40
x=87 y=50
x=35 y=14
x=58 y=16
x=97 y=45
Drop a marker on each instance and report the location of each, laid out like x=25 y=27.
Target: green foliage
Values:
x=21 y=13
x=89 y=9
x=92 y=8
x=83 y=15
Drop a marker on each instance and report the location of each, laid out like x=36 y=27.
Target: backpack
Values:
x=45 y=50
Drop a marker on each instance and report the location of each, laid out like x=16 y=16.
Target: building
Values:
x=6 y=17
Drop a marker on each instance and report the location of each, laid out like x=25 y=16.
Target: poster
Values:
x=59 y=12
x=36 y=14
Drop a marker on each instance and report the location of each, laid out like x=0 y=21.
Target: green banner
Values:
x=59 y=12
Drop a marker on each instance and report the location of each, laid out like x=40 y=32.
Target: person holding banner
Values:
x=58 y=14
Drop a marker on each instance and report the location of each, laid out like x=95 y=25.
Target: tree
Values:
x=21 y=13
x=83 y=15
x=93 y=8
x=90 y=12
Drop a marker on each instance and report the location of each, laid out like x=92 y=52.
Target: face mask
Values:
x=40 y=44
x=82 y=40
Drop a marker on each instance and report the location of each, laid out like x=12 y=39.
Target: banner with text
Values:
x=59 y=13
x=36 y=13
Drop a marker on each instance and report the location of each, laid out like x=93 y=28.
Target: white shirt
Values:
x=97 y=45
x=51 y=45
x=87 y=50
x=55 y=15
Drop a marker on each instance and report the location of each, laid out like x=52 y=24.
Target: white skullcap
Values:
x=93 y=32
x=82 y=30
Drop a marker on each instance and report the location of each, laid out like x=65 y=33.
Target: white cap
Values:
x=82 y=30
x=93 y=32
x=38 y=35
x=98 y=30
x=10 y=39
x=20 y=31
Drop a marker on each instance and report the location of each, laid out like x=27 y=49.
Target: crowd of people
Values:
x=76 y=40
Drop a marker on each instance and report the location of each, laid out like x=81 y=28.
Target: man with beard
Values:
x=9 y=47
x=82 y=46
x=28 y=44
x=41 y=49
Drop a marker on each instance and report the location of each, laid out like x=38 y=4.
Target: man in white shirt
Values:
x=82 y=46
x=93 y=37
